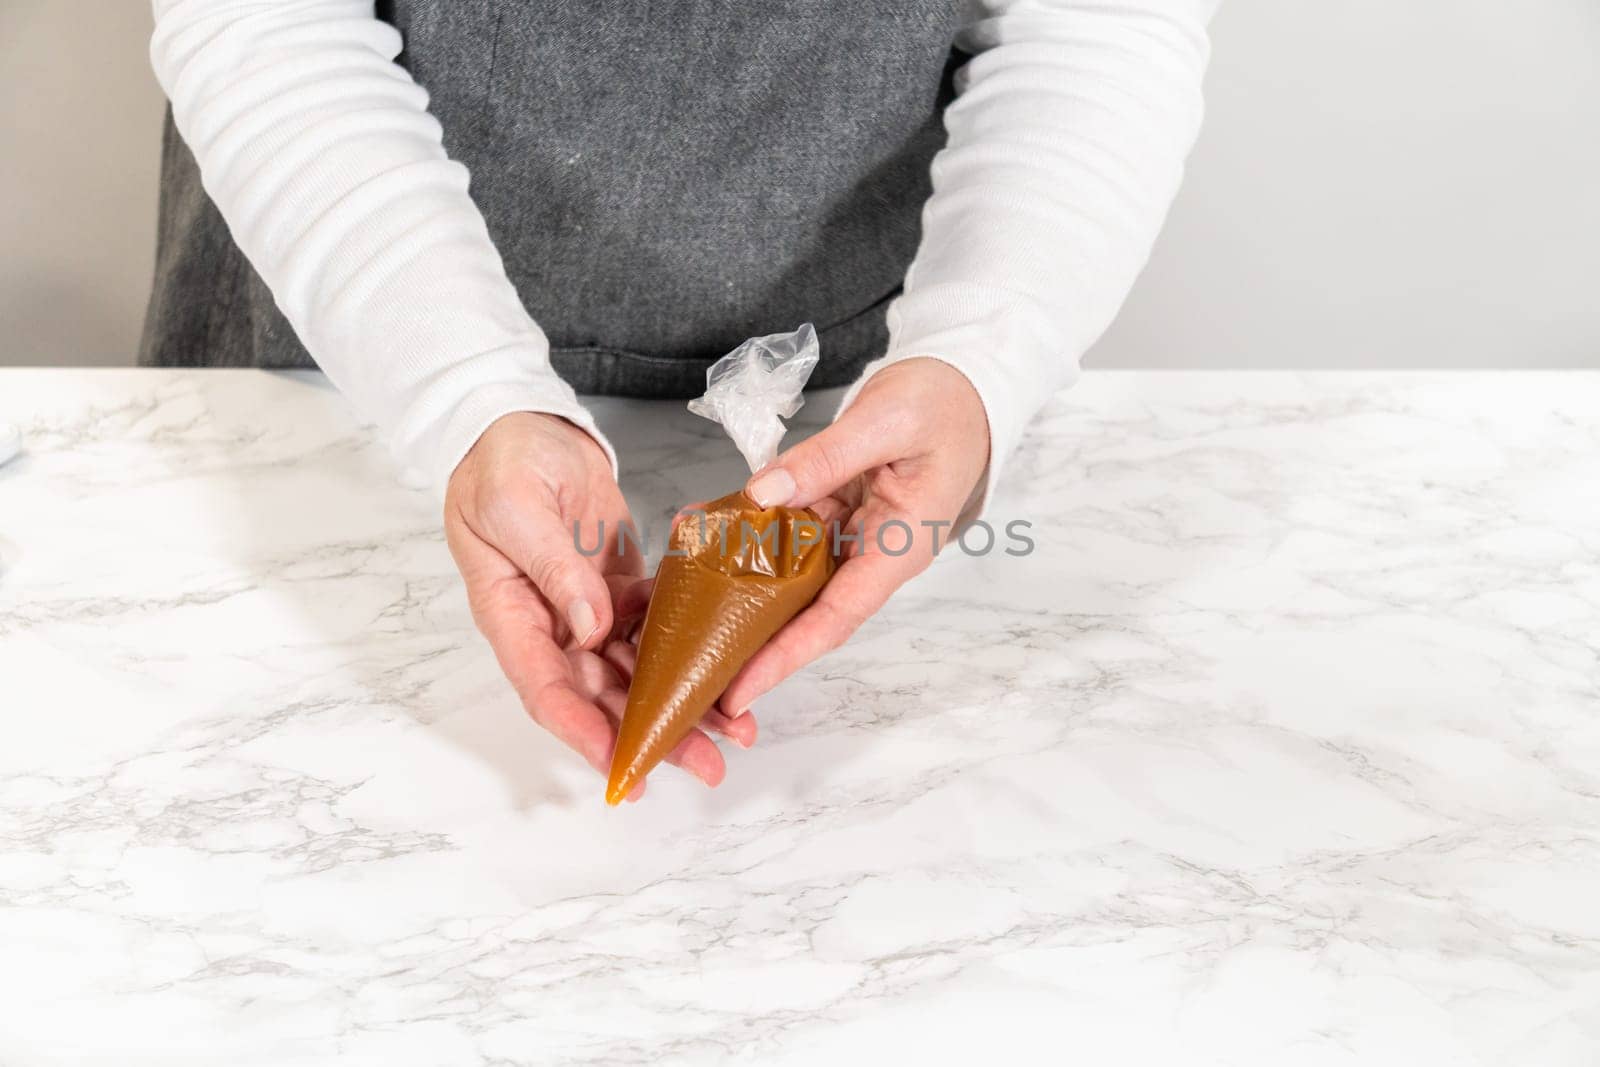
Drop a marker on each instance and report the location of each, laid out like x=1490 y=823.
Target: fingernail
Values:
x=772 y=488
x=581 y=618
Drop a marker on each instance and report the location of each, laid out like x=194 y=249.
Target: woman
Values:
x=959 y=194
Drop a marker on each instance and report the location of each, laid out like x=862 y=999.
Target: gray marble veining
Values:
x=1283 y=747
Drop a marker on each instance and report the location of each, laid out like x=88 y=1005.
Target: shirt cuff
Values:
x=454 y=409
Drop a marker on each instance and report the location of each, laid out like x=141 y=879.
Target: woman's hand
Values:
x=558 y=619
x=909 y=450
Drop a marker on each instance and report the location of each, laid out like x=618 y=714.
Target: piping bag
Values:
x=733 y=573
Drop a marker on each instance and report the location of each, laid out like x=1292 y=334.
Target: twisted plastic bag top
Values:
x=752 y=389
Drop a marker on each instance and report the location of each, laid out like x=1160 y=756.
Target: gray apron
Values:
x=663 y=179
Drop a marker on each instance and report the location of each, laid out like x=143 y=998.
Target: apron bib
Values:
x=663 y=178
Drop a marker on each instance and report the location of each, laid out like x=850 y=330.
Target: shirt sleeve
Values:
x=320 y=153
x=1067 y=140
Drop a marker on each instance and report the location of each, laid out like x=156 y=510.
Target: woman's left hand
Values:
x=910 y=451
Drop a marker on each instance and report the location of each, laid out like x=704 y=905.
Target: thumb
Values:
x=547 y=552
x=875 y=430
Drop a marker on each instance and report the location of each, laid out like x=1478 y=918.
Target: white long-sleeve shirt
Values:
x=1066 y=146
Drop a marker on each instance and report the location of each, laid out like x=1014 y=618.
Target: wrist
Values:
x=544 y=425
x=561 y=447
x=935 y=384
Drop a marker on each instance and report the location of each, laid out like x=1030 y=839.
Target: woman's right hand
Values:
x=558 y=619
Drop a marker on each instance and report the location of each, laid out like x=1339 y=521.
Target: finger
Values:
x=876 y=430
x=630 y=599
x=534 y=538
x=700 y=756
x=697 y=508
x=517 y=623
x=625 y=550
x=542 y=677
x=861 y=586
x=741 y=729
x=594 y=676
x=622 y=655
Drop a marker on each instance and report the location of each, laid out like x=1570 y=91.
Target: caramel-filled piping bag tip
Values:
x=618 y=788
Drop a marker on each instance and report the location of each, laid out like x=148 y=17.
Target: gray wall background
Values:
x=1409 y=183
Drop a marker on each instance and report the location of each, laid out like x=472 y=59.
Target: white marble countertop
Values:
x=1282 y=748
